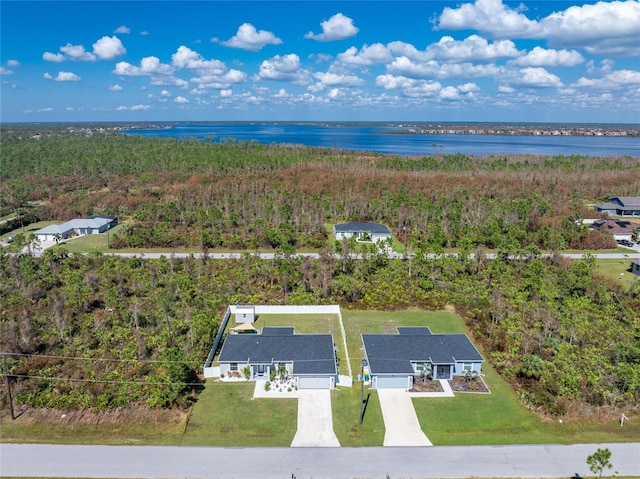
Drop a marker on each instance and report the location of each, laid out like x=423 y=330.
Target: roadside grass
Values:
x=618 y=270
x=227 y=415
x=469 y=418
x=164 y=430
x=90 y=243
x=499 y=418
x=346 y=417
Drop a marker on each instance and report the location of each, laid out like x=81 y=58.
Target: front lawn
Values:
x=500 y=418
x=346 y=417
x=227 y=415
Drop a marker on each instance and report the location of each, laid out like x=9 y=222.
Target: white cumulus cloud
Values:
x=77 y=52
x=283 y=68
x=185 y=57
x=338 y=27
x=115 y=87
x=600 y=28
x=491 y=17
x=542 y=57
x=449 y=93
x=611 y=81
x=367 y=55
x=536 y=77
x=332 y=79
x=409 y=87
x=108 y=48
x=248 y=38
x=63 y=77
x=473 y=48
x=53 y=57
x=148 y=66
x=180 y=99
x=122 y=29
x=605 y=27
x=5 y=71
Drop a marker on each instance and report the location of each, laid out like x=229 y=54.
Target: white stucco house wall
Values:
x=77 y=227
x=362 y=231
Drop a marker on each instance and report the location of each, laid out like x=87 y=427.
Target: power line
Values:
x=77 y=358
x=102 y=381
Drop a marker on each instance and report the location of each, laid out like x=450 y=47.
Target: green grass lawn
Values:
x=227 y=415
x=499 y=418
x=161 y=430
x=346 y=417
x=618 y=270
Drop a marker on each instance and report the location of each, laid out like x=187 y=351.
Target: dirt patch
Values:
x=475 y=385
x=450 y=308
x=421 y=385
x=121 y=416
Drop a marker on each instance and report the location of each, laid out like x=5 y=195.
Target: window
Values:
x=233 y=367
x=467 y=367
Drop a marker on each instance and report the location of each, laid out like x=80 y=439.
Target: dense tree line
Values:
x=564 y=337
x=240 y=194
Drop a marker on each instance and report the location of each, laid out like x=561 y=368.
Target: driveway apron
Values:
x=400 y=420
x=315 y=420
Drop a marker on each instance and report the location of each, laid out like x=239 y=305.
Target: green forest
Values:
x=566 y=338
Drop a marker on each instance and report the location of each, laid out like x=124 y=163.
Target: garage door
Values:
x=314 y=383
x=392 y=382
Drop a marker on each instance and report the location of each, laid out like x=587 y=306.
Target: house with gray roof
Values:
x=362 y=231
x=394 y=359
x=621 y=206
x=619 y=229
x=77 y=227
x=309 y=359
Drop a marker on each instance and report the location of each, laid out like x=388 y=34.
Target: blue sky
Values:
x=469 y=60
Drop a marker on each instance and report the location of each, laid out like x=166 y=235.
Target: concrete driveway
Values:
x=315 y=419
x=400 y=420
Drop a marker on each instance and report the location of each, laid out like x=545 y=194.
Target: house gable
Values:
x=396 y=353
x=621 y=205
x=309 y=353
x=356 y=227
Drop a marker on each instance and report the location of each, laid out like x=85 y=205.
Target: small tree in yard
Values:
x=599 y=460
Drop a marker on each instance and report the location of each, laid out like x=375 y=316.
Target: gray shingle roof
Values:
x=413 y=330
x=393 y=353
x=373 y=228
x=310 y=353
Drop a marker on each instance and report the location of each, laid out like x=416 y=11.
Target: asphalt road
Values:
x=311 y=463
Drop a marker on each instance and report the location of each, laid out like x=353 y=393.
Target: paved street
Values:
x=306 y=463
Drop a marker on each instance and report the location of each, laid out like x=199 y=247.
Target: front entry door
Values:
x=260 y=370
x=443 y=371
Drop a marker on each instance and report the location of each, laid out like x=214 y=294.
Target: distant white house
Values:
x=362 y=231
x=77 y=227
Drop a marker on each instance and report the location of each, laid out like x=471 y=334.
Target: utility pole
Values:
x=363 y=364
x=8 y=385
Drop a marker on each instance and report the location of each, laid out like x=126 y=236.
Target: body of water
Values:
x=364 y=138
